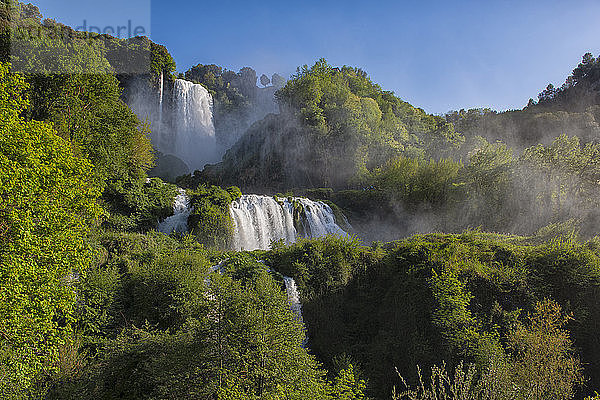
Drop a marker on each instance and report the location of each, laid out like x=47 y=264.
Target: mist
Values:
x=476 y=169
x=189 y=128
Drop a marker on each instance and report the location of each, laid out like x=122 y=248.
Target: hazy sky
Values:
x=438 y=55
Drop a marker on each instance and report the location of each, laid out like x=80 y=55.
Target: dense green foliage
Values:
x=540 y=365
x=334 y=125
x=47 y=203
x=154 y=322
x=448 y=298
x=67 y=139
x=138 y=204
x=77 y=90
x=210 y=220
x=87 y=111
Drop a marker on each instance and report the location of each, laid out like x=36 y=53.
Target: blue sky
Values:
x=438 y=55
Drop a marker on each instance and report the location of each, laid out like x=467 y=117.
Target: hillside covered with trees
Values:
x=471 y=271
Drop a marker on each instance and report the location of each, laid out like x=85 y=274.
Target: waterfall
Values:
x=258 y=220
x=319 y=220
x=293 y=297
x=161 y=92
x=180 y=117
x=194 y=131
x=193 y=108
x=178 y=221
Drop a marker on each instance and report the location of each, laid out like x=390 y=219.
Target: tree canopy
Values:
x=48 y=202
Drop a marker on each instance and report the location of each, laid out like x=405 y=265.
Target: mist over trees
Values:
x=571 y=109
x=239 y=102
x=334 y=125
x=516 y=172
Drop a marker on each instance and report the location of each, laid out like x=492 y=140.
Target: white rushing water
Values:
x=293 y=297
x=193 y=108
x=161 y=92
x=194 y=130
x=181 y=125
x=178 y=221
x=258 y=220
x=320 y=220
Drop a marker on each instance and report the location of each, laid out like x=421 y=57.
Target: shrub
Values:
x=211 y=220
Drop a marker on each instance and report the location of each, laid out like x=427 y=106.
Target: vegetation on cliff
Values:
x=95 y=303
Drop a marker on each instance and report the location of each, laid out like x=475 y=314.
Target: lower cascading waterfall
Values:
x=181 y=211
x=319 y=219
x=293 y=297
x=259 y=220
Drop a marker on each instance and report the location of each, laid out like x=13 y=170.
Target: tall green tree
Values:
x=489 y=183
x=47 y=202
x=562 y=179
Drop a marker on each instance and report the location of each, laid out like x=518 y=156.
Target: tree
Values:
x=562 y=178
x=347 y=386
x=259 y=341
x=541 y=363
x=47 y=201
x=247 y=82
x=490 y=184
x=417 y=183
x=588 y=70
x=278 y=81
x=548 y=94
x=540 y=366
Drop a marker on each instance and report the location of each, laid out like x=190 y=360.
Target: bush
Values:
x=540 y=366
x=210 y=220
x=436 y=297
x=138 y=204
x=48 y=201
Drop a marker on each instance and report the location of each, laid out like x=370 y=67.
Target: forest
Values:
x=465 y=263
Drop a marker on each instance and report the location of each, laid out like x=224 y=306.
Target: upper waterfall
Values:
x=194 y=130
x=258 y=220
x=161 y=93
x=193 y=108
x=180 y=114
